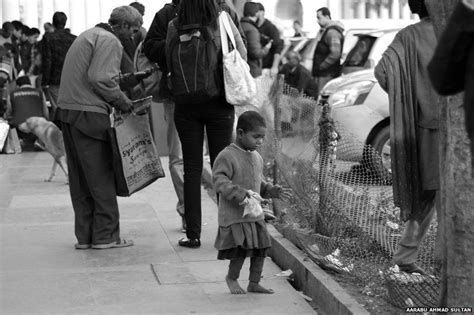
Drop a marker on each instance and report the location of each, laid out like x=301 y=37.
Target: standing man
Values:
x=88 y=92
x=414 y=137
x=270 y=35
x=54 y=47
x=255 y=51
x=327 y=55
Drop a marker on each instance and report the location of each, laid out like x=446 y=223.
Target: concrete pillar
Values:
x=335 y=6
x=77 y=21
x=30 y=13
x=373 y=14
x=106 y=8
x=10 y=10
x=63 y=6
x=47 y=11
x=406 y=13
x=93 y=13
x=360 y=9
x=395 y=8
x=310 y=23
x=384 y=12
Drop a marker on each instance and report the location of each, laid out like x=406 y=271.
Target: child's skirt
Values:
x=240 y=240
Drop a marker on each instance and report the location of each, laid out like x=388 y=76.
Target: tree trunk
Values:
x=457 y=188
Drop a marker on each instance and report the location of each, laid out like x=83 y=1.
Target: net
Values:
x=342 y=193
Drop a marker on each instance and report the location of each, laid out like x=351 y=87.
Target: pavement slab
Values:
x=42 y=273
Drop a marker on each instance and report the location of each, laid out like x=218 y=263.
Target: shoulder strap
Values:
x=226 y=32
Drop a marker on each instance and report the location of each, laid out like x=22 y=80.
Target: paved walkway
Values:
x=40 y=272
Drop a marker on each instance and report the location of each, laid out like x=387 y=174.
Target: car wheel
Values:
x=380 y=157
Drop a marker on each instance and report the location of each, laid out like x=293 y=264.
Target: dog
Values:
x=52 y=139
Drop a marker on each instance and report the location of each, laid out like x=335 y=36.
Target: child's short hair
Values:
x=250 y=120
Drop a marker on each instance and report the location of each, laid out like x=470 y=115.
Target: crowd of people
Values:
x=76 y=81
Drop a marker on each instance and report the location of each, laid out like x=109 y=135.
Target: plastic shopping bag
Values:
x=240 y=86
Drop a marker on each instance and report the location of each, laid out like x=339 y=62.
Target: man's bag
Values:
x=135 y=158
x=192 y=58
x=240 y=86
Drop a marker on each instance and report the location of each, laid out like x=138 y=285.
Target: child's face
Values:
x=251 y=139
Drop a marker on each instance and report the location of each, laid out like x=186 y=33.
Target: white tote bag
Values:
x=240 y=87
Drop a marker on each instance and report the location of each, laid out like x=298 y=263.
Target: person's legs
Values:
x=235 y=265
x=321 y=82
x=256 y=268
x=219 y=120
x=175 y=156
x=94 y=159
x=408 y=246
x=82 y=201
x=191 y=132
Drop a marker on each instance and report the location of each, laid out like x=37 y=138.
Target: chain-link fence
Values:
x=342 y=193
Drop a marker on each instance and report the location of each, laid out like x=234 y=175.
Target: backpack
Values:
x=194 y=64
x=151 y=84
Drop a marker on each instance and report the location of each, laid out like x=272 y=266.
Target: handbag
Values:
x=240 y=86
x=135 y=158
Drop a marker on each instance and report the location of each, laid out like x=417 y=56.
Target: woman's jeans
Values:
x=217 y=117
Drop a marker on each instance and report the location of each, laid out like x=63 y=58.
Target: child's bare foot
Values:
x=234 y=286
x=257 y=288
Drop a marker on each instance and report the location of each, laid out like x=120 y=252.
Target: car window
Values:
x=359 y=54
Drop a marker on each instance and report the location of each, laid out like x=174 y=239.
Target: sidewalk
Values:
x=40 y=272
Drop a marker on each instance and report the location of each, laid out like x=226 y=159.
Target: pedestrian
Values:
x=298 y=29
x=452 y=67
x=327 y=55
x=154 y=49
x=298 y=76
x=237 y=174
x=255 y=50
x=270 y=34
x=54 y=47
x=414 y=134
x=195 y=113
x=141 y=34
x=88 y=92
x=22 y=103
x=15 y=40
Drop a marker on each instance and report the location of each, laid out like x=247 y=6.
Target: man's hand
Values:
x=125 y=106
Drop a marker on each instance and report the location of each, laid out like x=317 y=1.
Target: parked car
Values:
x=353 y=29
x=360 y=107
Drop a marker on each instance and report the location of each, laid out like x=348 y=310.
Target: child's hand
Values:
x=283 y=192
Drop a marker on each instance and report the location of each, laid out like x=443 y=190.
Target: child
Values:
x=237 y=174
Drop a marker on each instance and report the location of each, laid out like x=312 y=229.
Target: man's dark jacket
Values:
x=53 y=53
x=322 y=51
x=452 y=67
x=155 y=40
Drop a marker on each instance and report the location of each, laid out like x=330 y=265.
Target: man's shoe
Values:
x=191 y=243
x=82 y=246
x=119 y=244
x=411 y=268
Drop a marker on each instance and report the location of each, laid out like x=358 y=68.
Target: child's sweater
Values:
x=235 y=171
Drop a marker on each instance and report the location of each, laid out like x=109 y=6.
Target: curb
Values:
x=326 y=293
